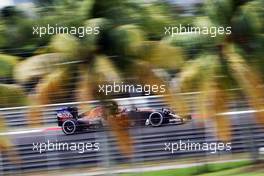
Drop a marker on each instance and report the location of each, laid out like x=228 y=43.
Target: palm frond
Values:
x=223 y=123
x=219 y=11
x=199 y=71
x=211 y=99
x=192 y=43
x=103 y=25
x=6 y=145
x=145 y=75
x=7 y=63
x=38 y=66
x=34 y=114
x=5 y=142
x=154 y=19
x=126 y=39
x=12 y=95
x=249 y=81
x=85 y=87
x=119 y=127
x=69 y=45
x=53 y=87
x=104 y=66
x=162 y=55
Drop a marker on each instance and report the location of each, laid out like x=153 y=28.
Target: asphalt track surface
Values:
x=149 y=145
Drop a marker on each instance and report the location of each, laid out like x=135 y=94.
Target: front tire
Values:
x=69 y=127
x=155 y=119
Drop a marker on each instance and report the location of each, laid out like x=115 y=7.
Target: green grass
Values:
x=221 y=169
x=234 y=172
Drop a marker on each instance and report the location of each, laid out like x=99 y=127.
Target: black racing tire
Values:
x=69 y=127
x=155 y=119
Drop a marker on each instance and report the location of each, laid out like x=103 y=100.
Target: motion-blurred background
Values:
x=219 y=80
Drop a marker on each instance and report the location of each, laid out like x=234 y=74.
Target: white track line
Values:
x=21 y=132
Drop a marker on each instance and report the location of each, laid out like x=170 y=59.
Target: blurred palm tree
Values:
x=129 y=45
x=71 y=68
x=10 y=95
x=218 y=64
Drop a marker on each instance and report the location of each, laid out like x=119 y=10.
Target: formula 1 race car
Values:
x=71 y=121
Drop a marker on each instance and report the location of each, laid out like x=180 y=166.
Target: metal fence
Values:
x=149 y=143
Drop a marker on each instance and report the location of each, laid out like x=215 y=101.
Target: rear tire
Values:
x=69 y=127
